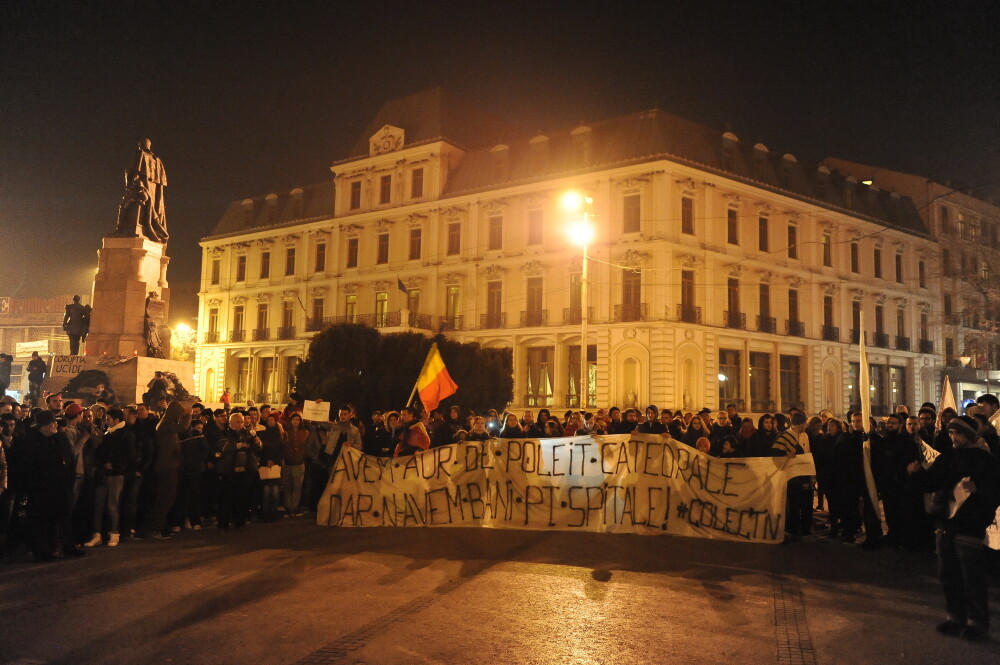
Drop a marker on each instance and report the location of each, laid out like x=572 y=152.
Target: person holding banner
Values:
x=967 y=482
x=411 y=436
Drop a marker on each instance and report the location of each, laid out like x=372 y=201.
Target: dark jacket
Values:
x=236 y=453
x=979 y=510
x=50 y=474
x=118 y=450
x=172 y=425
x=194 y=451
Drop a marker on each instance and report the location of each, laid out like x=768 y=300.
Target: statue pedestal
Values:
x=129 y=269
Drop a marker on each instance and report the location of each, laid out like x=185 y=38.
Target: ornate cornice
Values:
x=534 y=267
x=453 y=277
x=217 y=251
x=350 y=289
x=689 y=260
x=263 y=297
x=633 y=257
x=414 y=282
x=318 y=291
x=416 y=219
x=350 y=229
x=239 y=300
x=213 y=302
x=384 y=224
x=241 y=246
x=495 y=271
x=495 y=205
x=264 y=242
x=381 y=285
x=290 y=238
x=534 y=200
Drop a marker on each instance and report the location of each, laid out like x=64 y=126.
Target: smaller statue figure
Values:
x=76 y=323
x=141 y=209
x=153 y=346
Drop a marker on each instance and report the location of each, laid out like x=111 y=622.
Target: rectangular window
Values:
x=732 y=227
x=238 y=315
x=451 y=303
x=729 y=376
x=320 y=257
x=413 y=300
x=855 y=261
x=922 y=275
x=687 y=215
x=382 y=248
x=946 y=304
x=385 y=189
x=216 y=276
x=539 y=388
x=899 y=268
x=828 y=311
x=262 y=316
x=213 y=320
x=317 y=310
x=790 y=378
x=287 y=313
x=765 y=300
x=417 y=184
x=924 y=327
x=351 y=309
x=352 y=252
x=355 y=195
x=631 y=287
x=879 y=319
x=793 y=244
x=381 y=309
x=290 y=261
x=241 y=268
x=494 y=299
x=687 y=289
x=575 y=295
x=760 y=382
x=733 y=296
x=901 y=322
x=573 y=377
x=877 y=261
x=534 y=227
x=454 y=238
x=856 y=315
x=827 y=250
x=416 y=237
x=897 y=385
x=265 y=264
x=496 y=232
x=763 y=239
x=534 y=289
x=631 y=213
x=793 y=305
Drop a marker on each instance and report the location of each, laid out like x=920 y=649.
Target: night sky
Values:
x=241 y=99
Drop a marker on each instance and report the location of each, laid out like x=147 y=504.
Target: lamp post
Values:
x=581 y=233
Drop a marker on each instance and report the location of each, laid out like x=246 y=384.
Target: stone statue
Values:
x=154 y=313
x=76 y=323
x=141 y=210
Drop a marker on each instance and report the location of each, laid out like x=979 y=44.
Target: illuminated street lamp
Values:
x=581 y=233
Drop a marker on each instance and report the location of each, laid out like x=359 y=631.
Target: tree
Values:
x=356 y=364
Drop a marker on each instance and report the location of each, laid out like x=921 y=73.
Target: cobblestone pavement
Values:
x=293 y=592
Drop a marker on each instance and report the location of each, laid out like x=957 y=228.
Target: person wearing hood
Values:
x=966 y=470
x=176 y=421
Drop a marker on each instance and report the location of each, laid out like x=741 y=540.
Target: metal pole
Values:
x=584 y=388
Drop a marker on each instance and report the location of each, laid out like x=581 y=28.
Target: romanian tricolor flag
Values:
x=434 y=382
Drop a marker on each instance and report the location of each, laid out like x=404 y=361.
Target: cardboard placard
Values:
x=316 y=410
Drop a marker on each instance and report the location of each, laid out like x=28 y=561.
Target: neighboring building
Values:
x=721 y=272
x=967 y=230
x=31 y=324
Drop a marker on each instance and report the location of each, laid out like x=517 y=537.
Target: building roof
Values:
x=648 y=135
x=433 y=115
x=277 y=209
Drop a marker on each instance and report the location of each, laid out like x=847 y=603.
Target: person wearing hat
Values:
x=799 y=505
x=49 y=482
x=968 y=469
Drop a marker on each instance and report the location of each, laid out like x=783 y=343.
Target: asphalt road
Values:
x=296 y=593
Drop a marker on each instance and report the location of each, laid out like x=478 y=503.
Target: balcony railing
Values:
x=902 y=343
x=380 y=320
x=762 y=405
x=286 y=332
x=421 y=321
x=725 y=401
x=534 y=317
x=631 y=312
x=261 y=334
x=881 y=340
x=314 y=324
x=451 y=322
x=831 y=334
x=737 y=320
x=855 y=336
x=212 y=337
x=689 y=313
x=926 y=346
x=237 y=335
x=572 y=316
x=573 y=401
x=796 y=328
x=492 y=321
x=538 y=400
x=767 y=324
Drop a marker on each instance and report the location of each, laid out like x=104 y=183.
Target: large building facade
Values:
x=720 y=272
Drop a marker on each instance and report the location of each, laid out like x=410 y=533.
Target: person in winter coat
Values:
x=176 y=421
x=763 y=439
x=51 y=472
x=271 y=454
x=112 y=459
x=966 y=469
x=236 y=464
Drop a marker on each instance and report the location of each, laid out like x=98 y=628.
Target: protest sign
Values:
x=615 y=484
x=317 y=410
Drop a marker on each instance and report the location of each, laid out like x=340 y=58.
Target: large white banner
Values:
x=615 y=484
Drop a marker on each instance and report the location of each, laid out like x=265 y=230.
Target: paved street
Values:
x=293 y=592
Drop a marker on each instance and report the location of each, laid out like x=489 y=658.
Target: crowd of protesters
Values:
x=73 y=477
